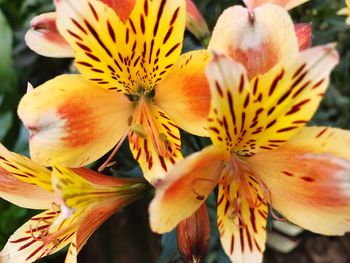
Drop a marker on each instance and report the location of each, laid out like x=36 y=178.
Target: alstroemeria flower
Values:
x=287 y=4
x=133 y=83
x=345 y=12
x=45 y=39
x=262 y=154
x=95 y=198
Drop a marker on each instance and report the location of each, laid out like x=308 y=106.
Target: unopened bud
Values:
x=303 y=32
x=193 y=235
x=195 y=22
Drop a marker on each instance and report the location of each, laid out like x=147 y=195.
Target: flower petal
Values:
x=157 y=146
x=23 y=194
x=184 y=94
x=287 y=4
x=304 y=35
x=243 y=237
x=195 y=22
x=123 y=57
x=253 y=39
x=274 y=108
x=123 y=8
x=309 y=179
x=43 y=37
x=25 y=169
x=32 y=241
x=72 y=121
x=185 y=188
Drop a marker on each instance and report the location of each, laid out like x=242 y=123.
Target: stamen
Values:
x=111 y=156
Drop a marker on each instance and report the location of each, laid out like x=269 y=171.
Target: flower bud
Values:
x=193 y=235
x=195 y=22
x=303 y=32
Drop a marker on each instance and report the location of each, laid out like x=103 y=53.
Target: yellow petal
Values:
x=253 y=39
x=24 y=194
x=127 y=56
x=243 y=237
x=33 y=241
x=287 y=4
x=154 y=141
x=309 y=179
x=246 y=119
x=184 y=94
x=72 y=121
x=43 y=37
x=185 y=188
x=25 y=169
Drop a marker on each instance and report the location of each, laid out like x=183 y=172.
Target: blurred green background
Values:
x=126 y=236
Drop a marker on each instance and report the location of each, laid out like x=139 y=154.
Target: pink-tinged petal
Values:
x=195 y=22
x=287 y=4
x=33 y=241
x=185 y=188
x=309 y=179
x=25 y=169
x=242 y=227
x=72 y=121
x=303 y=32
x=185 y=94
x=24 y=194
x=253 y=39
x=123 y=8
x=43 y=37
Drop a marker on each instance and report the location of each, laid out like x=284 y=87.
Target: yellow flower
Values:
x=133 y=83
x=83 y=201
x=345 y=11
x=262 y=153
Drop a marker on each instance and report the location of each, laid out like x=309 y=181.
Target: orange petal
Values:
x=185 y=188
x=185 y=94
x=195 y=22
x=44 y=38
x=32 y=241
x=309 y=179
x=243 y=237
x=262 y=116
x=253 y=39
x=154 y=141
x=25 y=169
x=72 y=121
x=304 y=35
x=23 y=194
x=287 y=4
x=126 y=56
x=123 y=8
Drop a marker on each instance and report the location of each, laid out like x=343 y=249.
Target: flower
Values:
x=345 y=11
x=44 y=38
x=262 y=153
x=133 y=83
x=83 y=201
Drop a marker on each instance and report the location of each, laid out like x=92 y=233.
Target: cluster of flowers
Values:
x=252 y=91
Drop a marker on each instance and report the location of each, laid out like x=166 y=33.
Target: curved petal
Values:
x=243 y=237
x=23 y=194
x=253 y=39
x=126 y=56
x=185 y=188
x=287 y=4
x=32 y=241
x=43 y=37
x=263 y=115
x=303 y=32
x=25 y=169
x=309 y=179
x=123 y=8
x=184 y=94
x=73 y=122
x=154 y=141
